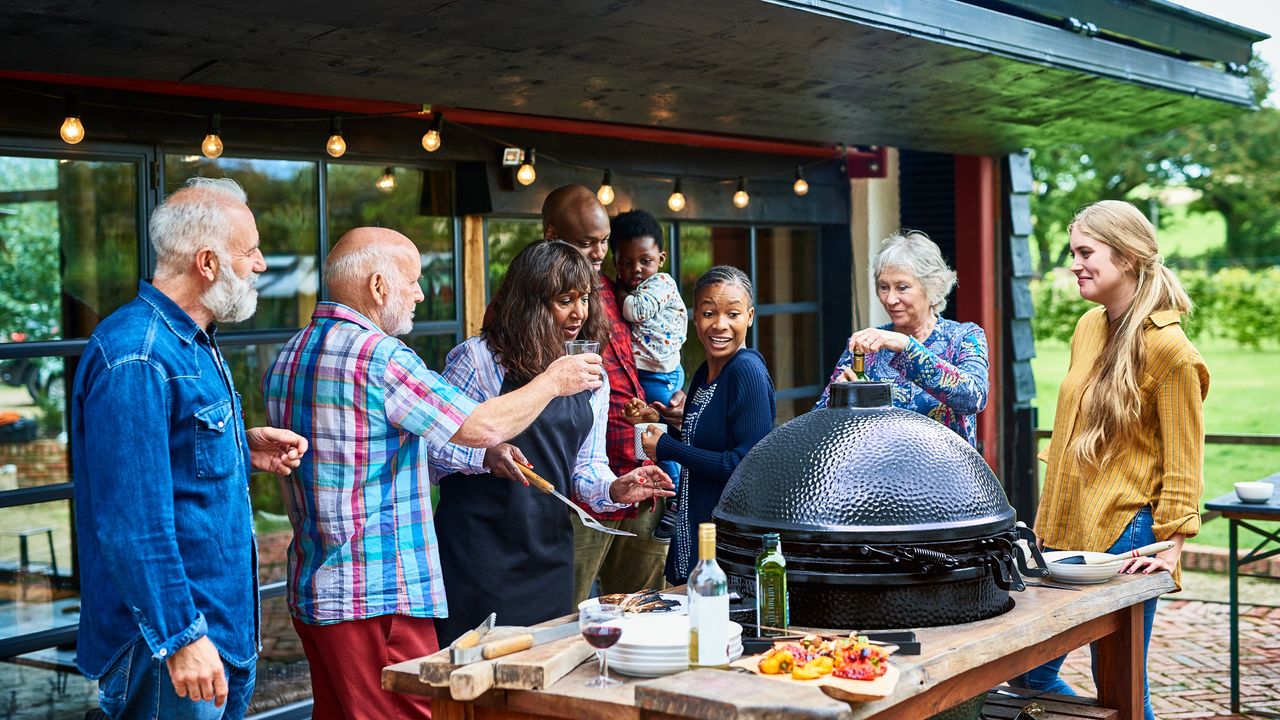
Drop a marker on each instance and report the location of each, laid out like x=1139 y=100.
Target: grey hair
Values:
x=725 y=275
x=913 y=252
x=187 y=221
x=358 y=266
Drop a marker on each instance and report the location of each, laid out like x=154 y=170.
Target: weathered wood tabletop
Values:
x=957 y=663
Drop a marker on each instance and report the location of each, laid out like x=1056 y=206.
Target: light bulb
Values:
x=605 y=193
x=676 y=200
x=801 y=186
x=212 y=146
x=526 y=174
x=387 y=182
x=741 y=198
x=336 y=147
x=72 y=130
x=431 y=141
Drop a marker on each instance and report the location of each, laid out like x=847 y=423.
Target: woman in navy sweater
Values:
x=728 y=409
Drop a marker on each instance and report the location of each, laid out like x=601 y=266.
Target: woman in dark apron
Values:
x=505 y=547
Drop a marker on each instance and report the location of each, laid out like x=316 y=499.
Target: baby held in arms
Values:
x=651 y=302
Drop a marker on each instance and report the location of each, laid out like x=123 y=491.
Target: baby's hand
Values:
x=636 y=412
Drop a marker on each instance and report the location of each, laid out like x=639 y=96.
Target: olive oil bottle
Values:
x=708 y=605
x=772 y=614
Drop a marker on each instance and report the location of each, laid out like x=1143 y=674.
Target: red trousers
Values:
x=346 y=661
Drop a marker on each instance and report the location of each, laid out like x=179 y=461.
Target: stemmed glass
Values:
x=593 y=621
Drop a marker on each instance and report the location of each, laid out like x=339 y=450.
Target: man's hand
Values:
x=502 y=460
x=644 y=482
x=672 y=412
x=572 y=374
x=274 y=450
x=197 y=673
x=636 y=412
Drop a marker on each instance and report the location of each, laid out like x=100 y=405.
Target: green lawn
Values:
x=1241 y=399
x=1189 y=235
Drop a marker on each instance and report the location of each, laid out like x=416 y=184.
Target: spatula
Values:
x=1143 y=551
x=539 y=482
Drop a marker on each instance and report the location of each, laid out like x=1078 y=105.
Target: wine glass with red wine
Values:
x=599 y=627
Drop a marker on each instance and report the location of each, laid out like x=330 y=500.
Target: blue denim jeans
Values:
x=1045 y=678
x=659 y=387
x=137 y=686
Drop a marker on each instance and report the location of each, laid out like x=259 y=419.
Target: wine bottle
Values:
x=708 y=605
x=860 y=367
x=771 y=588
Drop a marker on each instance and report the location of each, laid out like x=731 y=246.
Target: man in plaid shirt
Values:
x=364 y=569
x=624 y=564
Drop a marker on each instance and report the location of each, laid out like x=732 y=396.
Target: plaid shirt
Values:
x=364 y=542
x=624 y=384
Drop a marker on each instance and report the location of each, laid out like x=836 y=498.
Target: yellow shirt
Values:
x=1161 y=467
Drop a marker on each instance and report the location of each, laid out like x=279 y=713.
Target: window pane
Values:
x=789 y=344
x=37 y=691
x=68 y=245
x=702 y=246
x=283 y=197
x=432 y=348
x=419 y=205
x=506 y=238
x=33 y=401
x=786 y=265
x=37 y=585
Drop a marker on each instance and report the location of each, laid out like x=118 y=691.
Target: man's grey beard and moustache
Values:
x=396 y=318
x=232 y=298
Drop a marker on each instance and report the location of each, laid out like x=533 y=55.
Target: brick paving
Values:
x=1189 y=669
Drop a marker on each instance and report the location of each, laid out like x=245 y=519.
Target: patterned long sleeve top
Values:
x=472 y=368
x=659 y=323
x=945 y=377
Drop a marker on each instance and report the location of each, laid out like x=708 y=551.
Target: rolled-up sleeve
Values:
x=962 y=384
x=1179 y=407
x=420 y=401
x=592 y=477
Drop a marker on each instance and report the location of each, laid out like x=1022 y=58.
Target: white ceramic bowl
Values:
x=1079 y=574
x=1254 y=492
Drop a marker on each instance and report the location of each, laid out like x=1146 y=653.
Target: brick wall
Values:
x=1214 y=559
x=40 y=462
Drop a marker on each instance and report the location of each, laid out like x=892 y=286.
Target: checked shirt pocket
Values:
x=216 y=451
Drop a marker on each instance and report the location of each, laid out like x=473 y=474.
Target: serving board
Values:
x=838 y=688
x=532 y=669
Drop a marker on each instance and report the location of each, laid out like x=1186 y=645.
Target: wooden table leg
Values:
x=1122 y=665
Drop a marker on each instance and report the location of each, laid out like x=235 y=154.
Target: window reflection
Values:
x=786 y=265
x=283 y=197
x=419 y=206
x=506 y=238
x=789 y=343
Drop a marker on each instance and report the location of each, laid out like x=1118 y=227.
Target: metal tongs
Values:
x=539 y=482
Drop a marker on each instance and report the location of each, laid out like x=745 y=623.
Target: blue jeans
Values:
x=659 y=387
x=136 y=686
x=1045 y=678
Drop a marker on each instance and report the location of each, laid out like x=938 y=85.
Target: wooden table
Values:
x=1241 y=514
x=958 y=662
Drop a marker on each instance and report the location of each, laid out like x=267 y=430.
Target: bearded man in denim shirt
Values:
x=168 y=557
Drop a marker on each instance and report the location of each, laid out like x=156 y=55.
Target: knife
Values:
x=506 y=646
x=471 y=638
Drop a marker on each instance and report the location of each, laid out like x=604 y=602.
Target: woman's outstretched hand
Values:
x=644 y=482
x=636 y=412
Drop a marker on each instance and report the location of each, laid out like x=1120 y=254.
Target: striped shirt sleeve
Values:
x=419 y=401
x=592 y=477
x=470 y=368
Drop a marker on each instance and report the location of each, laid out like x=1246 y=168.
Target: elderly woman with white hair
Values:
x=938 y=366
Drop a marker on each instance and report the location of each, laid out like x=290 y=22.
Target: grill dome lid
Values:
x=861 y=471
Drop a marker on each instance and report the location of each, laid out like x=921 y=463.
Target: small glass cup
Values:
x=593 y=621
x=581 y=347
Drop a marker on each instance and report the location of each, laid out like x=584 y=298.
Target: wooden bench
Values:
x=1004 y=703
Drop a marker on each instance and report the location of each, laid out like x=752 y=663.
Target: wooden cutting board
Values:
x=532 y=669
x=838 y=688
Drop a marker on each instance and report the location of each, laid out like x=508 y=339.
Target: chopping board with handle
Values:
x=528 y=668
x=834 y=687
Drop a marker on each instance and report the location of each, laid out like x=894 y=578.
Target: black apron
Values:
x=507 y=548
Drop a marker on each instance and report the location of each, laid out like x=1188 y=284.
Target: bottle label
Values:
x=709 y=617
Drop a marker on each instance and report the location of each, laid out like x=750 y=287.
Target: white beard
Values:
x=396 y=317
x=232 y=299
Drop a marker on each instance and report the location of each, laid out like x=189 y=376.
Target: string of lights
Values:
x=73 y=131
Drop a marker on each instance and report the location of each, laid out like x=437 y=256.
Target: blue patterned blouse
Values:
x=945 y=377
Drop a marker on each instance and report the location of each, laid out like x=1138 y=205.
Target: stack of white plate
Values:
x=656 y=645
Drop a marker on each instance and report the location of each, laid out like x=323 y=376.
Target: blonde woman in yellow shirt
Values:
x=1125 y=466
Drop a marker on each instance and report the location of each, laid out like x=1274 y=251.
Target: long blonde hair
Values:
x=1111 y=405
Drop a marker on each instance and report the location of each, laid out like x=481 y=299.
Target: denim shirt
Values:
x=166 y=541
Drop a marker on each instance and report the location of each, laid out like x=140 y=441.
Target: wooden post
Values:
x=976 y=298
x=474 y=300
x=1121 y=664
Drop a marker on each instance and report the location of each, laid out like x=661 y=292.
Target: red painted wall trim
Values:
x=340 y=105
x=976 y=273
